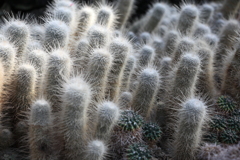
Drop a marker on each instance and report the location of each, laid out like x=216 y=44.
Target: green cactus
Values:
x=234 y=123
x=229 y=137
x=138 y=151
x=151 y=131
x=218 y=123
x=226 y=104
x=129 y=120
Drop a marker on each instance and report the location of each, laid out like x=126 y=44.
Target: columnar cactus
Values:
x=105 y=16
x=98 y=69
x=96 y=150
x=8 y=56
x=56 y=35
x=206 y=13
x=57 y=71
x=86 y=18
x=40 y=131
x=155 y=16
x=76 y=99
x=185 y=45
x=149 y=81
x=188 y=17
x=171 y=40
x=98 y=36
x=107 y=116
x=18 y=33
x=119 y=49
x=189 y=128
x=124 y=9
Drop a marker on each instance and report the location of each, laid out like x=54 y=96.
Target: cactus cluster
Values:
x=87 y=84
x=224 y=126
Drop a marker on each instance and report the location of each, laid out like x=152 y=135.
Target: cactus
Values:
x=6 y=138
x=155 y=16
x=65 y=15
x=40 y=131
x=128 y=72
x=145 y=37
x=105 y=16
x=119 y=49
x=96 y=150
x=226 y=104
x=191 y=120
x=211 y=40
x=201 y=30
x=205 y=84
x=58 y=69
x=188 y=17
x=146 y=56
x=24 y=93
x=124 y=100
x=38 y=59
x=149 y=81
x=18 y=33
x=185 y=45
x=230 y=8
x=86 y=18
x=124 y=9
x=138 y=151
x=107 y=116
x=76 y=98
x=98 y=36
x=151 y=131
x=81 y=55
x=130 y=121
x=228 y=37
x=186 y=76
x=218 y=123
x=171 y=39
x=158 y=45
x=98 y=69
x=105 y=87
x=56 y=35
x=234 y=123
x=37 y=32
x=206 y=13
x=229 y=137
x=182 y=87
x=230 y=75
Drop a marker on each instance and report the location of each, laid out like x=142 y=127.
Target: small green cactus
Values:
x=211 y=137
x=151 y=131
x=129 y=120
x=229 y=137
x=226 y=103
x=218 y=123
x=139 y=152
x=234 y=123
